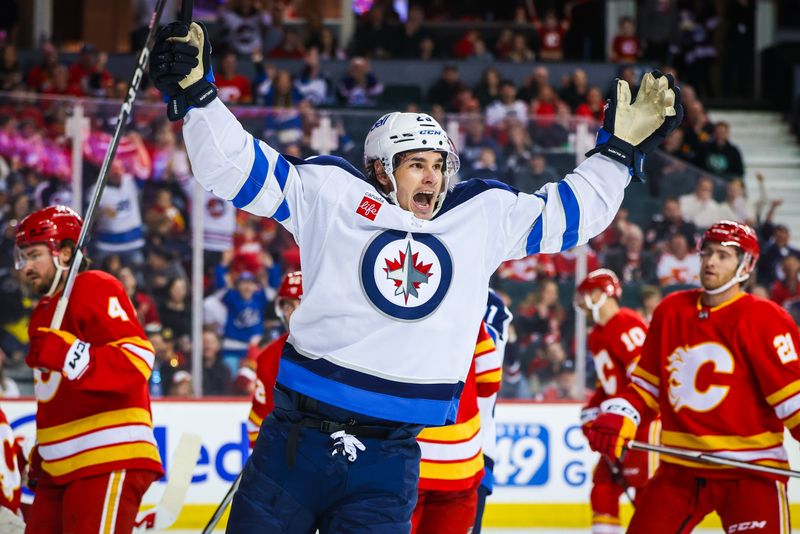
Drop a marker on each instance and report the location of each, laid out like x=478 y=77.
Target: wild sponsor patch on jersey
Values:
x=404 y=275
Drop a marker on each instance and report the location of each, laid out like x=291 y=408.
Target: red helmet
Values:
x=729 y=233
x=603 y=279
x=49 y=226
x=291 y=286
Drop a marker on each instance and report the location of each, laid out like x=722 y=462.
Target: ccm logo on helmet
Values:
x=430 y=132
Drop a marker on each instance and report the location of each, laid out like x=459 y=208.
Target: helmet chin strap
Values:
x=738 y=277
x=57 y=277
x=595 y=307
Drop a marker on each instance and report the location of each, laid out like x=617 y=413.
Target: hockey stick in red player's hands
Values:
x=711 y=459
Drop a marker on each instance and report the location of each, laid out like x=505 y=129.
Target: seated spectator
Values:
x=700 y=207
x=566 y=262
x=119 y=219
x=181 y=386
x=720 y=156
x=246 y=305
x=538 y=319
x=465 y=46
x=175 y=309
x=518 y=150
x=359 y=87
x=311 y=83
x=629 y=260
x=786 y=291
x=625 y=48
x=163 y=218
x=488 y=89
x=520 y=51
x=540 y=77
x=563 y=387
x=594 y=108
x=284 y=123
x=481 y=51
x=41 y=76
x=89 y=72
x=475 y=139
x=486 y=167
x=777 y=248
x=697 y=128
x=679 y=265
x=216 y=375
x=651 y=297
x=737 y=207
x=527 y=269
x=162 y=266
x=503 y=44
x=551 y=131
x=145 y=306
x=532 y=177
x=167 y=360
x=233 y=88
x=551 y=33
x=290 y=47
x=244 y=23
x=676 y=146
x=409 y=44
x=10 y=70
x=667 y=223
x=443 y=92
x=508 y=106
x=59 y=84
x=553 y=384
x=375 y=34
x=576 y=91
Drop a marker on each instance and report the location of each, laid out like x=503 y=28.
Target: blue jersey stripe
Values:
x=255 y=181
x=326 y=369
x=121 y=237
x=572 y=213
x=281 y=175
x=382 y=405
x=534 y=244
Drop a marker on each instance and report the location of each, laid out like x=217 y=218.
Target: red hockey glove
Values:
x=588 y=415
x=613 y=428
x=60 y=351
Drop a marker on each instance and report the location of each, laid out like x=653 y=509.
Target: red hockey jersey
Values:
x=100 y=422
x=267 y=363
x=452 y=457
x=10 y=473
x=725 y=379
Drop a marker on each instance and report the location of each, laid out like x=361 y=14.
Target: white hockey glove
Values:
x=632 y=130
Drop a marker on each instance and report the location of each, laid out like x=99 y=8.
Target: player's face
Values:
x=420 y=179
x=37 y=268
x=718 y=264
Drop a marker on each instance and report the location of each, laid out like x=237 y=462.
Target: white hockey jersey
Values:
x=390 y=302
x=119 y=225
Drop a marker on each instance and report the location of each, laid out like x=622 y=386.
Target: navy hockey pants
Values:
x=294 y=484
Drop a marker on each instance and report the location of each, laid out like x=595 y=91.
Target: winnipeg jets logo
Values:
x=407 y=274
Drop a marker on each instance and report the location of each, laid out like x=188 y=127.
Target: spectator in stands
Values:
x=119 y=219
x=485 y=167
x=290 y=47
x=720 y=156
x=668 y=223
x=777 y=248
x=518 y=149
x=594 y=107
x=475 y=139
x=41 y=75
x=167 y=360
x=233 y=88
x=551 y=35
x=169 y=160
x=488 y=88
x=216 y=375
x=539 y=78
x=89 y=72
x=508 y=106
x=625 y=47
x=443 y=92
x=412 y=34
x=59 y=84
x=311 y=83
x=520 y=51
x=700 y=207
x=164 y=219
x=465 y=46
x=629 y=260
x=244 y=25
x=503 y=44
x=181 y=386
x=737 y=207
x=359 y=87
x=428 y=49
x=650 y=298
x=679 y=265
x=375 y=35
x=658 y=26
x=677 y=147
x=697 y=44
x=531 y=177
x=329 y=46
x=786 y=291
x=145 y=306
x=175 y=309
x=162 y=266
x=557 y=378
x=576 y=91
x=284 y=125
x=539 y=317
x=10 y=71
x=551 y=130
x=697 y=128
x=246 y=305
x=480 y=51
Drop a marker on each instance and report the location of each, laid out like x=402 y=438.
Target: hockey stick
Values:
x=711 y=459
x=91 y=211
x=617 y=473
x=180 y=476
x=220 y=511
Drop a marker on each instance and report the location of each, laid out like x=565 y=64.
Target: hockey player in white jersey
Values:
x=396 y=266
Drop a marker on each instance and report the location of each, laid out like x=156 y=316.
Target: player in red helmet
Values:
x=721 y=368
x=615 y=343
x=94 y=429
x=287 y=300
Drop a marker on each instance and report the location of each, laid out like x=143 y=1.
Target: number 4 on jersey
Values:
x=115 y=309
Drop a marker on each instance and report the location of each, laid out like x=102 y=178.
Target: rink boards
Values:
x=543 y=468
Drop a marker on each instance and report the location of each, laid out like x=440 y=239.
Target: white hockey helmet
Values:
x=397 y=132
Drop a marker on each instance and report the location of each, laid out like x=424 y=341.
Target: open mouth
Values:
x=423 y=201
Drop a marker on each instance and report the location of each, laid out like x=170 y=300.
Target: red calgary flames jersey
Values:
x=267 y=363
x=725 y=379
x=452 y=457
x=10 y=473
x=100 y=422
